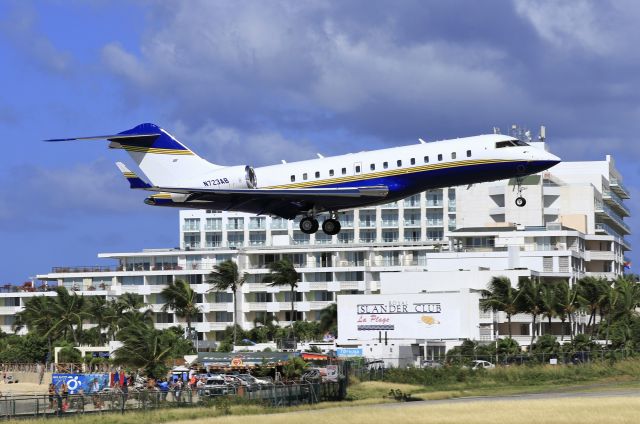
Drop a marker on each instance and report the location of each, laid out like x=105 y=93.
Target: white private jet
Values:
x=308 y=188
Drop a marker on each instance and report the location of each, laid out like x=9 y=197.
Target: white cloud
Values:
x=21 y=27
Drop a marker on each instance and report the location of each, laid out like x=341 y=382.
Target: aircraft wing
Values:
x=287 y=203
x=281 y=194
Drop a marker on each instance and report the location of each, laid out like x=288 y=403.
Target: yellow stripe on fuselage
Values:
x=157 y=151
x=388 y=173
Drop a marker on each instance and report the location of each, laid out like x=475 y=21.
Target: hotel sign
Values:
x=405 y=316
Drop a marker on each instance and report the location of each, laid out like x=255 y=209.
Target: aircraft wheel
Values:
x=331 y=227
x=520 y=201
x=309 y=225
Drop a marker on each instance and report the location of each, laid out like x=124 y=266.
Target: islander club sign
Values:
x=404 y=316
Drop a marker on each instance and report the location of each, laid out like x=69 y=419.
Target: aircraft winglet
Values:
x=134 y=180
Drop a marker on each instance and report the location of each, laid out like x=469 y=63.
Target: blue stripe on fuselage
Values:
x=406 y=184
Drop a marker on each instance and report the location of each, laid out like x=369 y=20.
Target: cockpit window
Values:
x=510 y=143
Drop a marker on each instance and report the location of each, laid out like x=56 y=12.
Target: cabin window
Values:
x=399 y=163
x=357 y=169
x=426 y=159
x=413 y=161
x=304 y=176
x=317 y=174
x=385 y=165
x=372 y=167
x=468 y=153
x=331 y=172
x=453 y=155
x=440 y=157
x=344 y=171
x=293 y=178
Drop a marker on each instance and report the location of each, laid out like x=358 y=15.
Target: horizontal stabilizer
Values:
x=107 y=137
x=135 y=182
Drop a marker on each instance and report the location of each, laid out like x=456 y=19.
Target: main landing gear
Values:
x=330 y=226
x=520 y=201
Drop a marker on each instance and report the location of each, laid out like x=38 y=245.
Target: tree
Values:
x=70 y=312
x=182 y=300
x=549 y=300
x=567 y=305
x=329 y=320
x=39 y=317
x=145 y=347
x=225 y=276
x=282 y=273
x=501 y=296
x=530 y=301
x=591 y=294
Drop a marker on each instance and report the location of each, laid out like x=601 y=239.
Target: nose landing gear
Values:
x=520 y=201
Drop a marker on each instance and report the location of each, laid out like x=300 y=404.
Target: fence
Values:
x=274 y=395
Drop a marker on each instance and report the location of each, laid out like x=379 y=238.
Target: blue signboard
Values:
x=348 y=352
x=76 y=382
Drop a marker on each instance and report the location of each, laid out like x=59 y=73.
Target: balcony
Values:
x=391 y=205
x=279 y=225
x=435 y=222
x=617 y=186
x=367 y=224
x=435 y=203
x=191 y=228
x=613 y=200
x=214 y=227
x=411 y=203
x=390 y=223
x=235 y=227
x=612 y=217
x=257 y=226
x=72 y=269
x=412 y=223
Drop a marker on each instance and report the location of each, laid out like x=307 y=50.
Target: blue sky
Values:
x=264 y=81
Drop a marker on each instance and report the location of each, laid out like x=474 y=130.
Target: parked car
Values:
x=478 y=364
x=428 y=363
x=217 y=386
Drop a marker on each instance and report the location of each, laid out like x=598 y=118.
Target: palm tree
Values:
x=70 y=312
x=98 y=309
x=181 y=299
x=567 y=305
x=38 y=316
x=329 y=320
x=501 y=296
x=591 y=294
x=144 y=347
x=549 y=300
x=129 y=301
x=225 y=276
x=282 y=273
x=530 y=301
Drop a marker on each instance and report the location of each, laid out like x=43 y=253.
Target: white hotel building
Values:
x=572 y=226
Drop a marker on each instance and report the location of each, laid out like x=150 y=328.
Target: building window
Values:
x=372 y=167
x=331 y=172
x=399 y=163
x=385 y=165
x=304 y=176
x=439 y=159
x=293 y=178
x=453 y=155
x=344 y=171
x=426 y=159
x=317 y=174
x=413 y=161
x=468 y=153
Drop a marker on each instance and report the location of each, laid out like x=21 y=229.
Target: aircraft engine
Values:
x=231 y=177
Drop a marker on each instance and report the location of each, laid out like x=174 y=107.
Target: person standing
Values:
x=52 y=394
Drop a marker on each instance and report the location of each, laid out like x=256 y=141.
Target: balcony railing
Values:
x=617 y=186
x=188 y=228
x=69 y=269
x=235 y=227
x=367 y=224
x=611 y=215
x=612 y=198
